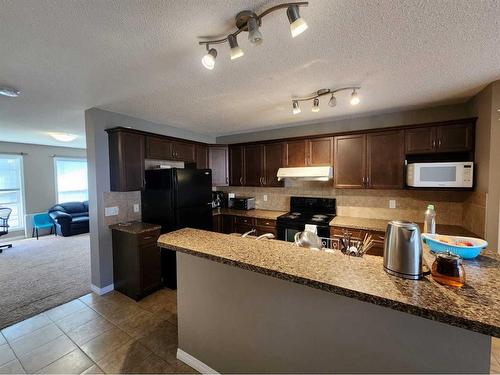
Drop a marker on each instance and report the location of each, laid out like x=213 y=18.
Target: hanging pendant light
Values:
x=236 y=51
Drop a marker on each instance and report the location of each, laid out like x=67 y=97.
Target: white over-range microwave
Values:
x=440 y=175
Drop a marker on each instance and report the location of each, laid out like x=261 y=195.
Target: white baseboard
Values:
x=102 y=291
x=195 y=363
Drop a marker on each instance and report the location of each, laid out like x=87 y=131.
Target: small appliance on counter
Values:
x=242 y=203
x=403 y=250
x=218 y=199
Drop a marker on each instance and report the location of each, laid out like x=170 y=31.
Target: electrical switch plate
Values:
x=265 y=197
x=136 y=207
x=392 y=203
x=231 y=195
x=111 y=211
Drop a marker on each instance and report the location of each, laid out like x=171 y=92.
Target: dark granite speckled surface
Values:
x=475 y=307
x=135 y=227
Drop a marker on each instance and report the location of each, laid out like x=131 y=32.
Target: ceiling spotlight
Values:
x=254 y=35
x=296 y=107
x=63 y=137
x=9 y=92
x=354 y=97
x=297 y=24
x=315 y=107
x=236 y=51
x=333 y=101
x=208 y=60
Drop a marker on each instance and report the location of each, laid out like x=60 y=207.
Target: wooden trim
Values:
x=149 y=134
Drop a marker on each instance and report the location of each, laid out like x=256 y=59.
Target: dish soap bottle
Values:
x=430 y=220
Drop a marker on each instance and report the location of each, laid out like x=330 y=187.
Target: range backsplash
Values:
x=466 y=209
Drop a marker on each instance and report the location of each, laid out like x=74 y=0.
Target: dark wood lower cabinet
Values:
x=136 y=263
x=242 y=224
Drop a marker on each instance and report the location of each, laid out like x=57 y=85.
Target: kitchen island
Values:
x=268 y=306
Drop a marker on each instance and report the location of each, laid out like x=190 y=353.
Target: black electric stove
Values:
x=306 y=210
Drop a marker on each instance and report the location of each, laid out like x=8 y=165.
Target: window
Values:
x=11 y=188
x=71 y=180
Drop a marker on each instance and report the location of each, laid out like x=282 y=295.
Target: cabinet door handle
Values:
x=433 y=143
x=439 y=143
x=363 y=181
x=147 y=237
x=227 y=180
x=241 y=180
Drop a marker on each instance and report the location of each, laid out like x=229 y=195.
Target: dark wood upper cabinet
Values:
x=273 y=160
x=350 y=162
x=320 y=151
x=126 y=161
x=420 y=140
x=236 y=166
x=201 y=156
x=296 y=153
x=158 y=148
x=183 y=151
x=309 y=152
x=253 y=165
x=385 y=160
x=455 y=138
x=218 y=162
x=441 y=138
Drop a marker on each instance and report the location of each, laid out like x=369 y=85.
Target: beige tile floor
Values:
x=97 y=334
x=106 y=334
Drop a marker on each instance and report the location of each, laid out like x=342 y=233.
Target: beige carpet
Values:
x=38 y=275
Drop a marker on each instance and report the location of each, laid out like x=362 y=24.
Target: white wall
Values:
x=39 y=178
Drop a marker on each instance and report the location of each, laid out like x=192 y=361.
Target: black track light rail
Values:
x=259 y=18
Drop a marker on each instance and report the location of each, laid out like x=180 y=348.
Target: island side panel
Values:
x=235 y=320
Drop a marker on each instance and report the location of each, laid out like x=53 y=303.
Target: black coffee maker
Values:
x=219 y=199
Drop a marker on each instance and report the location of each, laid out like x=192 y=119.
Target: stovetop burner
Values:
x=307 y=210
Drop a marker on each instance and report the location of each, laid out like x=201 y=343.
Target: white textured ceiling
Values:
x=142 y=58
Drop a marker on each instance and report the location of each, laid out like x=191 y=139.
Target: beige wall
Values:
x=432 y=114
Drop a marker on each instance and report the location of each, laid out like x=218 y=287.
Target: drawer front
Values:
x=356 y=234
x=264 y=230
x=265 y=223
x=244 y=220
x=148 y=237
x=243 y=228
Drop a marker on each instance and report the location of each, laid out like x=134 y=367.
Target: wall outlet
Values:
x=136 y=207
x=265 y=197
x=231 y=195
x=111 y=211
x=392 y=203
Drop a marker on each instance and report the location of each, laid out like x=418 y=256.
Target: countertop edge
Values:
x=441 y=317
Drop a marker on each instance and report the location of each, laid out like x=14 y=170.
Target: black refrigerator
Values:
x=177 y=198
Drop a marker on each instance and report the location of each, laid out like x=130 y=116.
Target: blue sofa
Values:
x=70 y=218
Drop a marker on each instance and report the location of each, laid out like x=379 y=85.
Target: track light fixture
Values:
x=208 y=60
x=297 y=24
x=248 y=21
x=354 y=97
x=236 y=51
x=333 y=100
x=315 y=107
x=296 y=107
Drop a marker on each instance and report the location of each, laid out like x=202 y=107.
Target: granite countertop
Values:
x=259 y=214
x=380 y=225
x=135 y=227
x=475 y=307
